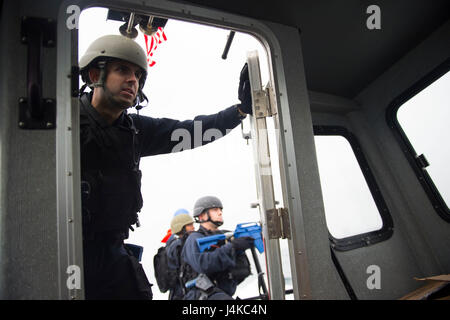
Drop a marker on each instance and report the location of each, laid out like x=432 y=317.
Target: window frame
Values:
x=387 y=229
x=432 y=192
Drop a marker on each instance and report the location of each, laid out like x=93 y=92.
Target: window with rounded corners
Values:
x=419 y=119
x=355 y=210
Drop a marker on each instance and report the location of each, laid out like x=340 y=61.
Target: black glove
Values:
x=242 y=243
x=244 y=93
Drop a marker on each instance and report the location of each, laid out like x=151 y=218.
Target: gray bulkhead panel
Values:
x=392 y=256
x=428 y=235
x=28 y=228
x=420 y=241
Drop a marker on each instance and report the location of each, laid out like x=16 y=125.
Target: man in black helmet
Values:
x=224 y=266
x=112 y=143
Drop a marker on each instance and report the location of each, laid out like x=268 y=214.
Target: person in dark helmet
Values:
x=112 y=143
x=224 y=266
x=181 y=226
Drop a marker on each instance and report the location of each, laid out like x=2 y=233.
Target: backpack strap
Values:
x=185 y=270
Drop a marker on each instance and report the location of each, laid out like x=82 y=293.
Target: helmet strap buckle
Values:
x=101 y=79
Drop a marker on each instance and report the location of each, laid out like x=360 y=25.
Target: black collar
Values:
x=87 y=107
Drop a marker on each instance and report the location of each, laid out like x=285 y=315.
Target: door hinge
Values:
x=278 y=223
x=264 y=101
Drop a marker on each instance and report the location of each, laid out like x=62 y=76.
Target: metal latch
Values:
x=278 y=223
x=422 y=161
x=245 y=135
x=271 y=97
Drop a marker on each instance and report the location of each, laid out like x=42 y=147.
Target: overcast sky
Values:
x=425 y=119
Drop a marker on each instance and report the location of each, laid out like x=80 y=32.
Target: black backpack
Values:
x=166 y=277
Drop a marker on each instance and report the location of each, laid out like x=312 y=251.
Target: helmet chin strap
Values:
x=102 y=77
x=141 y=97
x=216 y=223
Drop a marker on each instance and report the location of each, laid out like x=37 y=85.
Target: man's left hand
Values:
x=244 y=93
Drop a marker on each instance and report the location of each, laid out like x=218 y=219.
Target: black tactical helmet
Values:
x=205 y=203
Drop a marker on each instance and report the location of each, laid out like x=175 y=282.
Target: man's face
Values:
x=122 y=83
x=215 y=214
x=189 y=227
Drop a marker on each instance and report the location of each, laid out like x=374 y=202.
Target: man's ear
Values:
x=202 y=216
x=94 y=75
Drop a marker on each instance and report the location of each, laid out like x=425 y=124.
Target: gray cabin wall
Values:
x=392 y=256
x=420 y=240
x=28 y=222
x=428 y=235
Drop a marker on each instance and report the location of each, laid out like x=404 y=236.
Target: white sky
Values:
x=425 y=118
x=345 y=182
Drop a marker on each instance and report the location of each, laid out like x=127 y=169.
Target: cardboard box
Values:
x=437 y=288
